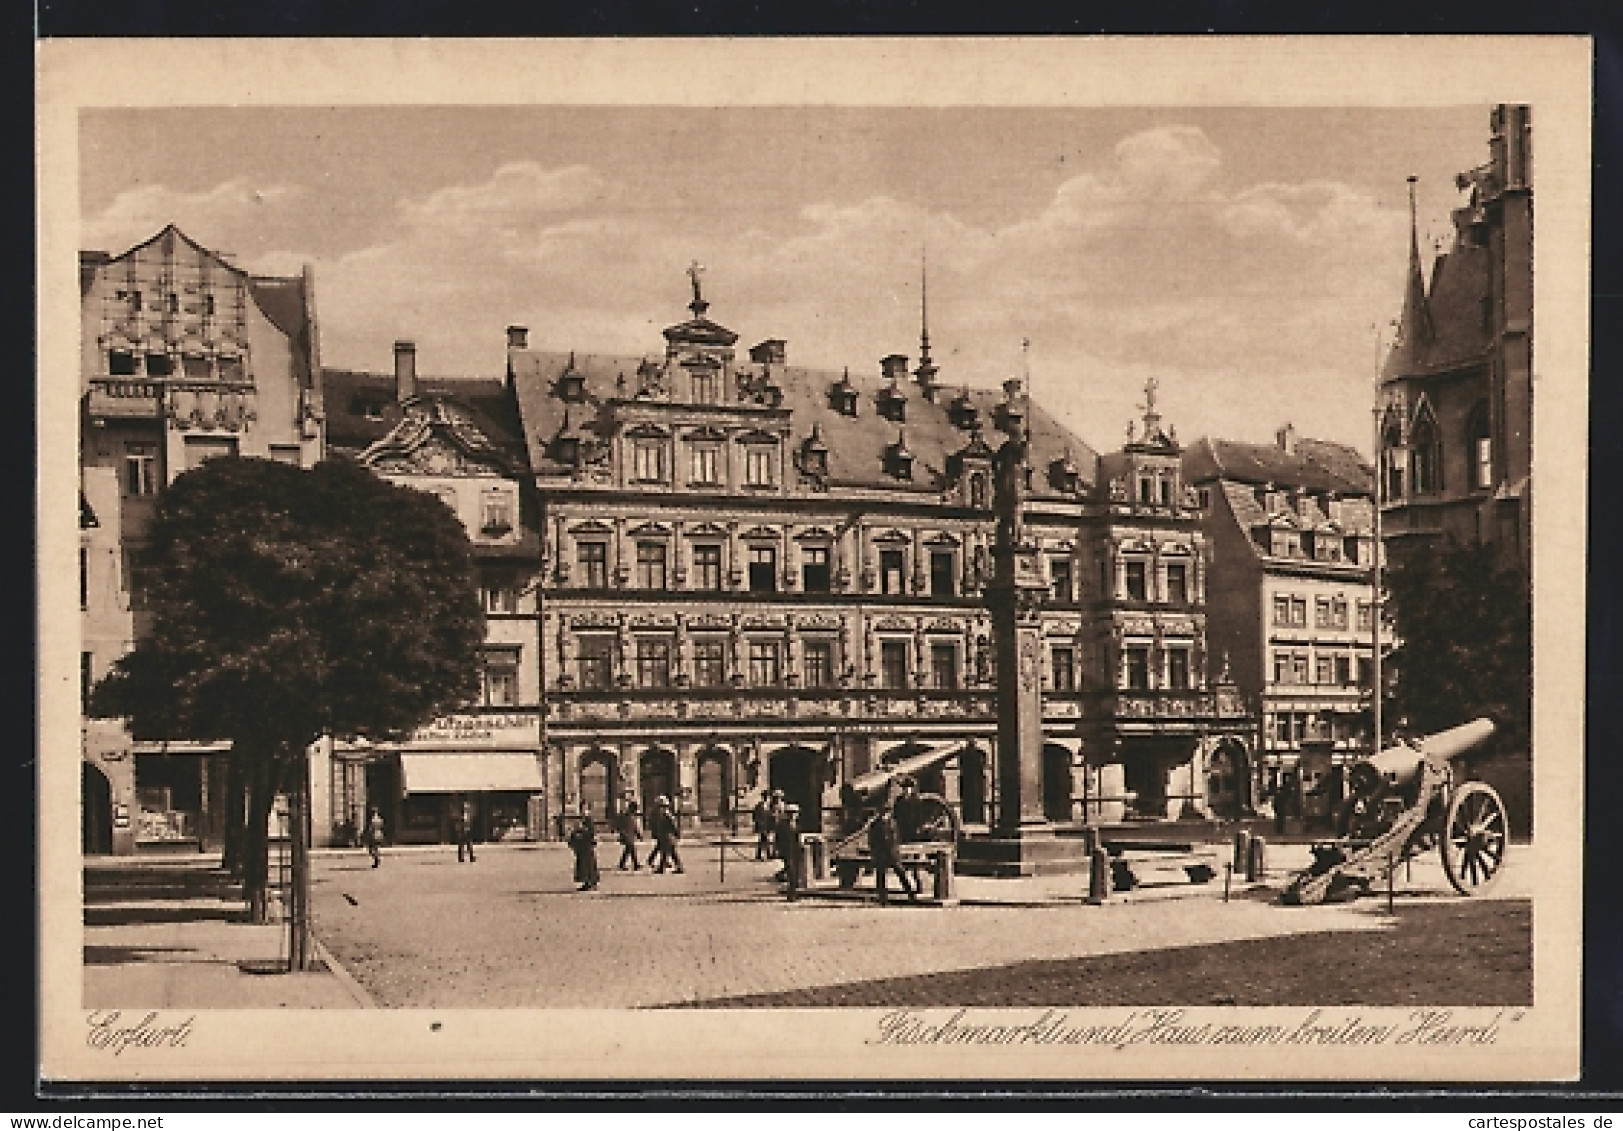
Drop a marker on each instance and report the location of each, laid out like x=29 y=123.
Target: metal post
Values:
x=1391 y=866
x=1228 y=877
x=1375 y=568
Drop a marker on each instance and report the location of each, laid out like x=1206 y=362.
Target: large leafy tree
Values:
x=290 y=604
x=1464 y=622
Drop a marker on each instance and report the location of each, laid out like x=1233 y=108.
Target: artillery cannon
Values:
x=1402 y=801
x=930 y=829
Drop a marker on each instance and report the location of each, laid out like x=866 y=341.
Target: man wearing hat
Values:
x=774 y=821
x=788 y=842
x=663 y=828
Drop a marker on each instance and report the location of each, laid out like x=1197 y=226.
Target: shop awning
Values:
x=470 y=773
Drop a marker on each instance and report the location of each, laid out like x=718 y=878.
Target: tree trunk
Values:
x=299 y=895
x=236 y=812
x=256 y=846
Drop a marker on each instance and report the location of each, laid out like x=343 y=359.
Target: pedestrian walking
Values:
x=909 y=810
x=663 y=828
x=464 y=831
x=761 y=821
x=630 y=832
x=583 y=843
x=884 y=842
x=787 y=837
x=373 y=836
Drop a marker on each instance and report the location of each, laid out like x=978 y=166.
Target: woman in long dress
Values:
x=583 y=843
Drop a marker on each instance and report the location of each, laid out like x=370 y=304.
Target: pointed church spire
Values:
x=1414 y=327
x=927 y=369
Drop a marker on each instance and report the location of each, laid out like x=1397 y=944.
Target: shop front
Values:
x=488 y=761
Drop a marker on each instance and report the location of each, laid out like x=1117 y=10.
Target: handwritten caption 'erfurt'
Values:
x=1430 y=1028
x=110 y=1031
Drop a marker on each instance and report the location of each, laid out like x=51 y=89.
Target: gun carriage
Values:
x=1401 y=802
x=928 y=830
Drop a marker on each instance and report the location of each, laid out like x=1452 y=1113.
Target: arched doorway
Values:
x=656 y=778
x=597 y=779
x=1228 y=779
x=798 y=772
x=96 y=793
x=715 y=788
x=972 y=785
x=1056 y=782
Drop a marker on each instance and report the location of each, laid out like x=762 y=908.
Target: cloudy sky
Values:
x=1242 y=257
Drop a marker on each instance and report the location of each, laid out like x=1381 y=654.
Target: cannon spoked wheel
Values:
x=1475 y=836
x=937 y=821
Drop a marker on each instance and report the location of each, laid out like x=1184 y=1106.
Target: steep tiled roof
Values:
x=1316 y=465
x=1450 y=330
x=283 y=301
x=856 y=445
x=349 y=392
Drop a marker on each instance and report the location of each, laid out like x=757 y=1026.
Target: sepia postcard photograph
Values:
x=812 y=560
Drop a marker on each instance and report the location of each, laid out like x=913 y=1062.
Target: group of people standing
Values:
x=662 y=826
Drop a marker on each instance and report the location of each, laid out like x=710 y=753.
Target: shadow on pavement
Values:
x=128 y=955
x=179 y=913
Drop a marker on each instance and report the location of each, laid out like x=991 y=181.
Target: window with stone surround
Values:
x=758 y=465
x=709 y=661
x=944 y=666
x=653 y=661
x=893 y=664
x=1137 y=663
x=764 y=663
x=650 y=565
x=1137 y=579
x=1178 y=668
x=593 y=560
x=707 y=567
x=594 y=661
x=763 y=569
x=1063 y=662
x=814 y=575
x=892 y=567
x=817 y=662
x=1177 y=583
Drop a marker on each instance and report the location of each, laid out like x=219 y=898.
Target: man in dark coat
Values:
x=630 y=831
x=787 y=836
x=583 y=843
x=464 y=831
x=373 y=836
x=761 y=821
x=662 y=825
x=909 y=811
x=883 y=843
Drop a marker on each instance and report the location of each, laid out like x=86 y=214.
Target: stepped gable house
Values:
x=183 y=357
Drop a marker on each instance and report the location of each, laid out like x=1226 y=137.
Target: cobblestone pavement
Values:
x=511 y=931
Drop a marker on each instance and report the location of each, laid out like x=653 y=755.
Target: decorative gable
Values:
x=435 y=437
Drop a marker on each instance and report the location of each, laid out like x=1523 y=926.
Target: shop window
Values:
x=763 y=569
x=891 y=575
x=140 y=469
x=758 y=460
x=1178 y=583
x=818 y=662
x=1138 y=667
x=764 y=663
x=893 y=664
x=650 y=565
x=1059 y=580
x=942 y=573
x=1064 y=665
x=814 y=576
x=707 y=567
x=944 y=666
x=593 y=560
x=653 y=661
x=709 y=661
x=594 y=660
x=1137 y=585
x=1178 y=669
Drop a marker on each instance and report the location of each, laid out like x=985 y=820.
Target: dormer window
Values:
x=898 y=459
x=648 y=461
x=572 y=383
x=892 y=404
x=706 y=386
x=962 y=412
x=1063 y=474
x=759 y=460
x=842 y=396
x=814 y=454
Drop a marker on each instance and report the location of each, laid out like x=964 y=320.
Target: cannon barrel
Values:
x=870 y=783
x=1400 y=764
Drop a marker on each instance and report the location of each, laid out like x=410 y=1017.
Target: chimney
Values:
x=405 y=371
x=894 y=367
x=1286 y=439
x=518 y=338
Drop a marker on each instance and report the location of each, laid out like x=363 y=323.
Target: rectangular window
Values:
x=709 y=661
x=1282 y=728
x=1138 y=667
x=650 y=565
x=818 y=663
x=653 y=661
x=706 y=464
x=763 y=569
x=1324 y=669
x=159 y=365
x=763 y=663
x=1177 y=583
x=1366 y=615
x=893 y=664
x=758 y=461
x=120 y=363
x=1298 y=612
x=1299 y=668
x=1282 y=611
x=1483 y=451
x=1349 y=549
x=1137 y=588
x=1064 y=663
x=201 y=449
x=890 y=571
x=814 y=576
x=941 y=573
x=706 y=386
x=1338 y=613
x=594 y=660
x=1321 y=612
x=1282 y=667
x=1366 y=671
x=140 y=469
x=499 y=598
x=1059 y=580
x=285 y=453
x=593 y=559
x=648 y=461
x=496 y=513
x=1178 y=669
x=944 y=666
x=707 y=568
x=501 y=679
x=1344 y=670
x=136 y=580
